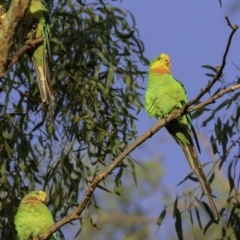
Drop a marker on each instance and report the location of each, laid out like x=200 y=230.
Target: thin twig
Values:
x=30 y=44
x=219 y=70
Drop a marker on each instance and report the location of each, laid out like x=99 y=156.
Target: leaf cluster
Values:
x=96 y=78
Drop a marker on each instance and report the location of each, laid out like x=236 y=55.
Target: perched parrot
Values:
x=33 y=217
x=165 y=94
x=35 y=25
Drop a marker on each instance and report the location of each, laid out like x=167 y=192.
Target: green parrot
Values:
x=33 y=217
x=165 y=94
x=35 y=25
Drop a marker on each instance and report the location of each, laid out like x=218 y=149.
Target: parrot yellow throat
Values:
x=161 y=67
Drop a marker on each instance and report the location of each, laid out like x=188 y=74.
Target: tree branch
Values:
x=161 y=123
x=213 y=98
x=8 y=26
x=30 y=44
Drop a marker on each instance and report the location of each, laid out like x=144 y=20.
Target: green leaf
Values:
x=208 y=209
x=198 y=218
x=210 y=180
x=3 y=173
x=197 y=113
x=214 y=145
x=210 y=67
x=220 y=2
x=134 y=174
x=103 y=188
x=89 y=172
x=223 y=104
x=110 y=76
x=230 y=179
x=208 y=225
x=178 y=224
x=210 y=75
x=208 y=120
x=6 y=135
x=175 y=206
x=8 y=149
x=161 y=217
x=191 y=217
x=124 y=36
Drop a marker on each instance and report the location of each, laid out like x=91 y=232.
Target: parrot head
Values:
x=161 y=64
x=36 y=196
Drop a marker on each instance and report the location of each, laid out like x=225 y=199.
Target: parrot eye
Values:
x=158 y=58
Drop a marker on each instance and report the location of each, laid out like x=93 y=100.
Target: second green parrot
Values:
x=33 y=217
x=35 y=25
x=164 y=94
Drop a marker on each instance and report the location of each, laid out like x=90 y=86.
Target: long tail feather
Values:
x=43 y=77
x=196 y=167
x=44 y=84
x=189 y=119
x=48 y=82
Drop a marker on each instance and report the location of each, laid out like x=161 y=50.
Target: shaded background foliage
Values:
x=97 y=83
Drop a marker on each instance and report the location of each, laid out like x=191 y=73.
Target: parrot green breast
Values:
x=33 y=218
x=163 y=94
x=34 y=15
